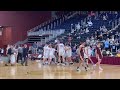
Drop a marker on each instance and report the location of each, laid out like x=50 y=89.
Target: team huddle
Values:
x=60 y=50
x=61 y=54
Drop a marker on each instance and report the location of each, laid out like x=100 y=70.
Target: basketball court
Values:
x=37 y=71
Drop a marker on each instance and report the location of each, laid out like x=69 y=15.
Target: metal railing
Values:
x=50 y=24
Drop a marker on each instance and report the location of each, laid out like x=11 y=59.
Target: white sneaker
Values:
x=66 y=63
x=78 y=69
x=58 y=63
x=71 y=63
x=88 y=68
x=49 y=63
x=100 y=68
x=63 y=64
x=94 y=65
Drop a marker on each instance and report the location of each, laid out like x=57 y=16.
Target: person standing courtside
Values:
x=20 y=51
x=8 y=53
x=25 y=55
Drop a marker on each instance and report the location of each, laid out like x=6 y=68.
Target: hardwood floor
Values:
x=37 y=71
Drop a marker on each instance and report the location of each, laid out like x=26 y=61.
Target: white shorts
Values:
x=51 y=56
x=61 y=53
x=12 y=59
x=46 y=55
x=68 y=54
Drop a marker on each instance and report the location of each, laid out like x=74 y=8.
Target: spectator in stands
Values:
x=101 y=36
x=69 y=40
x=108 y=53
x=90 y=23
x=29 y=52
x=113 y=48
x=118 y=54
x=72 y=28
x=117 y=44
x=104 y=17
x=104 y=52
x=93 y=50
x=111 y=42
x=107 y=44
x=112 y=38
x=87 y=30
x=56 y=40
x=101 y=28
x=84 y=24
x=104 y=29
x=116 y=35
x=35 y=47
x=78 y=27
x=92 y=41
x=87 y=41
x=116 y=14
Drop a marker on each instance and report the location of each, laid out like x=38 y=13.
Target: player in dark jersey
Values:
x=81 y=55
x=99 y=55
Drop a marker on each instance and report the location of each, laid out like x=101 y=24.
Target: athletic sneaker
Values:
x=58 y=63
x=78 y=69
x=55 y=63
x=43 y=63
x=86 y=68
x=94 y=65
x=66 y=63
x=63 y=64
x=71 y=63
x=6 y=65
x=100 y=68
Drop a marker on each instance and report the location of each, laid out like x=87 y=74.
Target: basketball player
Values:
x=99 y=55
x=56 y=52
x=68 y=53
x=51 y=54
x=81 y=55
x=61 y=53
x=87 y=54
x=46 y=50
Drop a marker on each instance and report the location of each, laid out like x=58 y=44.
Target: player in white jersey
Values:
x=61 y=53
x=52 y=54
x=68 y=54
x=87 y=54
x=46 y=51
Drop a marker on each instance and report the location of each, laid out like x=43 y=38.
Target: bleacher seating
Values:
x=97 y=23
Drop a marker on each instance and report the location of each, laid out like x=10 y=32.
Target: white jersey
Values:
x=87 y=52
x=52 y=51
x=46 y=49
x=68 y=51
x=46 y=52
x=61 y=47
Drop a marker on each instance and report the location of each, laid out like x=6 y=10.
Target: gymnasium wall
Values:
x=22 y=21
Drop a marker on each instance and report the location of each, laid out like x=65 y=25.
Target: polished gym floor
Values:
x=37 y=71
